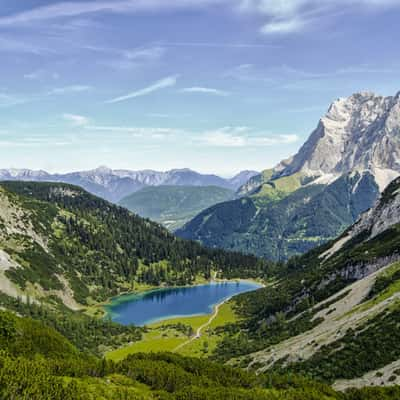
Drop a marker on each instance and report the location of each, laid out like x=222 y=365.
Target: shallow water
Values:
x=161 y=304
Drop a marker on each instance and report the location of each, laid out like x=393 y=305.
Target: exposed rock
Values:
x=358 y=133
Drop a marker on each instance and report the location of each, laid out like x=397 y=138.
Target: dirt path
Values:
x=208 y=323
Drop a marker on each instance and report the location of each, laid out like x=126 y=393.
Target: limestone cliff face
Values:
x=358 y=133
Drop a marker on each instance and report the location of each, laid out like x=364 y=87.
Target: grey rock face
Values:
x=358 y=133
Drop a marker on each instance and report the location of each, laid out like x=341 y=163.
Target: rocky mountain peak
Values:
x=361 y=132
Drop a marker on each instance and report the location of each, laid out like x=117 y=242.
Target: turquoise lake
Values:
x=161 y=304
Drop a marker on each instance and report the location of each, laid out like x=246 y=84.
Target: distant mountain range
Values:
x=173 y=206
x=312 y=197
x=114 y=185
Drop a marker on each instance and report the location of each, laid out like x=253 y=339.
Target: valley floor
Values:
x=191 y=336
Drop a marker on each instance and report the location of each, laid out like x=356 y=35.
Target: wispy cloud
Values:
x=249 y=73
x=280 y=16
x=288 y=77
x=291 y=16
x=205 y=90
x=229 y=136
x=41 y=75
x=8 y=100
x=165 y=83
x=138 y=132
x=76 y=120
x=69 y=89
x=28 y=142
x=123 y=59
x=145 y=53
x=221 y=45
x=73 y=9
x=283 y=27
x=243 y=137
x=12 y=45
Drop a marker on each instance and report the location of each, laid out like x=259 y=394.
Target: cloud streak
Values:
x=165 y=83
x=280 y=16
x=7 y=100
x=76 y=120
x=243 y=137
x=205 y=90
x=69 y=89
x=73 y=9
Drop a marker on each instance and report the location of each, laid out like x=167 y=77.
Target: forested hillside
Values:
x=173 y=206
x=38 y=363
x=284 y=217
x=332 y=313
x=58 y=241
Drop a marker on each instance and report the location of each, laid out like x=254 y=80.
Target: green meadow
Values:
x=178 y=335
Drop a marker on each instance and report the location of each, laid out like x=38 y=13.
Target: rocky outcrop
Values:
x=359 y=133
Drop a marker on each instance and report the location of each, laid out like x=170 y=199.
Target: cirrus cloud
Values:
x=205 y=90
x=281 y=16
x=156 y=86
x=243 y=137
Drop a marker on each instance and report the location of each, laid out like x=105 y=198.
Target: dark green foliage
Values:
x=282 y=310
x=369 y=347
x=372 y=393
x=279 y=229
x=53 y=369
x=383 y=282
x=174 y=205
x=26 y=337
x=86 y=333
x=97 y=244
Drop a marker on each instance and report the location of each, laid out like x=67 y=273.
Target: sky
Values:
x=214 y=85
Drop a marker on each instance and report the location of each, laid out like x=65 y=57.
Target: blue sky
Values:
x=214 y=85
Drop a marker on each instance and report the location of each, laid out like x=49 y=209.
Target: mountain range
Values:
x=325 y=321
x=173 y=206
x=329 y=317
x=352 y=155
x=114 y=185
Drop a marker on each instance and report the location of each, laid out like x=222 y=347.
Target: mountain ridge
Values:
x=113 y=185
x=358 y=135
x=173 y=206
x=333 y=312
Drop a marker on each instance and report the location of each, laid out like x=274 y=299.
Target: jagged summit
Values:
x=358 y=133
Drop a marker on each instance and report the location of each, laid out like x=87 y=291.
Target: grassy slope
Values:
x=163 y=336
x=173 y=206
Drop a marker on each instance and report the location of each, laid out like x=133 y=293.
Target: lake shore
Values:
x=101 y=310
x=125 y=309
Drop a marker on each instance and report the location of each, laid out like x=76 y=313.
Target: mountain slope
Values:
x=37 y=363
x=58 y=241
x=332 y=313
x=351 y=157
x=291 y=223
x=173 y=206
x=114 y=185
